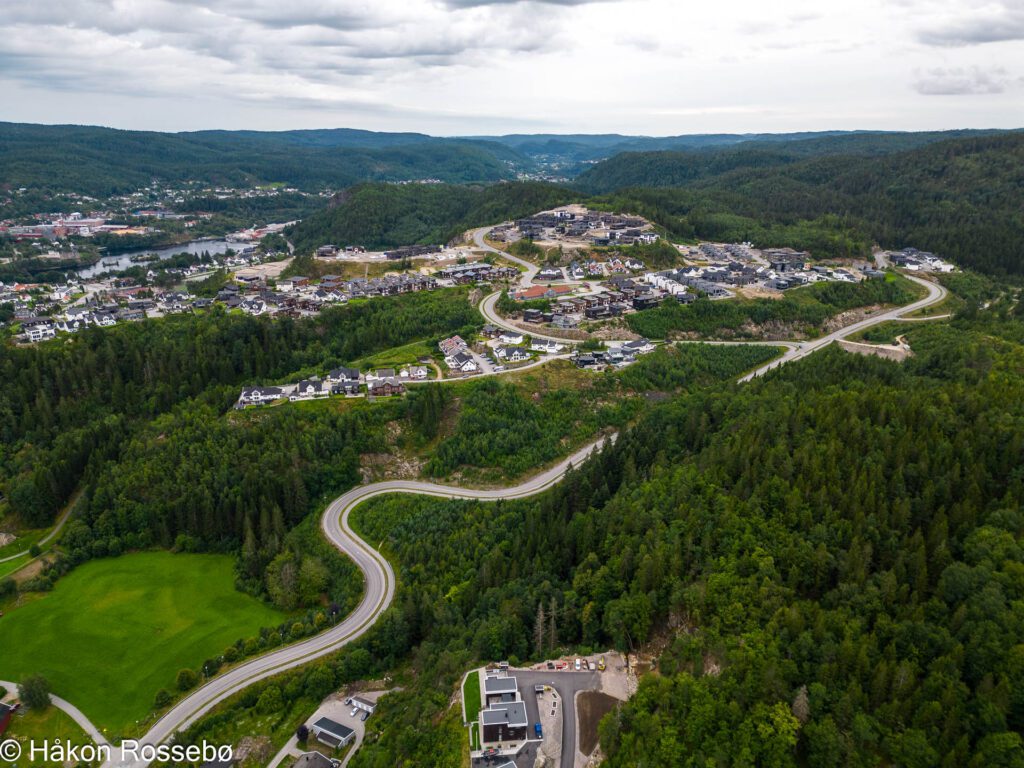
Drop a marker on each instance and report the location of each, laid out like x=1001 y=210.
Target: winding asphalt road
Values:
x=377 y=572
x=378 y=594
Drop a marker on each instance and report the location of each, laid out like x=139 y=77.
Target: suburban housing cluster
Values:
x=576 y=225
x=919 y=261
x=43 y=311
x=348 y=382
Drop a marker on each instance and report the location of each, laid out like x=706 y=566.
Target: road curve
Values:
x=71 y=710
x=377 y=572
x=378 y=594
x=936 y=293
x=65 y=515
x=526 y=280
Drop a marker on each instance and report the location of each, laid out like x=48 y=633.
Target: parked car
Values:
x=537 y=730
x=538 y=689
x=353 y=712
x=551 y=665
x=562 y=664
x=364 y=716
x=579 y=664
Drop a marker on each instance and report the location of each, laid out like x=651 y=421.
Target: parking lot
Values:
x=567 y=683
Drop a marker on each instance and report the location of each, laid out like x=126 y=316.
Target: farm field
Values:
x=115 y=631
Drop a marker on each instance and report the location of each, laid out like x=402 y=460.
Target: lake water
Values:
x=124 y=260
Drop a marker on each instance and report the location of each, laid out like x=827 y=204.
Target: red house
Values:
x=6 y=713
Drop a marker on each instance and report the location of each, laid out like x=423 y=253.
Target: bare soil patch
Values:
x=591 y=706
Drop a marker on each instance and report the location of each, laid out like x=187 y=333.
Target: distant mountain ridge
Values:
x=99 y=161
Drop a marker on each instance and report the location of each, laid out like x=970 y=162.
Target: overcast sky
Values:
x=451 y=67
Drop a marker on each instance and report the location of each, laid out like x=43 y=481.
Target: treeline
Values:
x=382 y=215
x=959 y=198
x=67 y=405
x=834 y=551
x=800 y=309
x=194 y=480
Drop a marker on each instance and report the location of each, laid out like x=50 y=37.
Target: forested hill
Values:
x=387 y=215
x=100 y=161
x=961 y=198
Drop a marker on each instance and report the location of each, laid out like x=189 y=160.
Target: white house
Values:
x=638 y=347
x=512 y=354
x=511 y=337
x=259 y=395
x=415 y=372
x=545 y=345
x=309 y=389
x=463 y=362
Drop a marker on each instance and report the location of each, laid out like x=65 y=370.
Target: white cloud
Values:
x=976 y=25
x=962 y=82
x=466 y=66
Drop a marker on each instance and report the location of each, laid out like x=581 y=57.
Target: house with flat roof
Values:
x=503 y=723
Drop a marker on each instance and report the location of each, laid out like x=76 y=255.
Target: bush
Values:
x=34 y=692
x=163 y=698
x=186 y=680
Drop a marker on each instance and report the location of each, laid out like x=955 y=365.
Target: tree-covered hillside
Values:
x=832 y=555
x=961 y=198
x=102 y=161
x=387 y=215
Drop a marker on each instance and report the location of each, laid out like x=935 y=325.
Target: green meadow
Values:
x=115 y=631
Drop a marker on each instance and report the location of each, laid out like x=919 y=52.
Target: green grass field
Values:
x=11 y=566
x=389 y=358
x=28 y=727
x=471 y=695
x=115 y=631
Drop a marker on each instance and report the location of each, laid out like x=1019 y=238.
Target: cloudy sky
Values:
x=451 y=67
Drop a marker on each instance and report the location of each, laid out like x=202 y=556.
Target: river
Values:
x=124 y=260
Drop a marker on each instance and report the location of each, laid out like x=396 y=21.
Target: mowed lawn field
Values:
x=115 y=631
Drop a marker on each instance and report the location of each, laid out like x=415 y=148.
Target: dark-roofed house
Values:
x=259 y=395
x=339 y=375
x=309 y=389
x=504 y=722
x=315 y=760
x=385 y=387
x=333 y=734
x=497 y=688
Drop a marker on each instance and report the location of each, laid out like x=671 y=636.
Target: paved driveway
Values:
x=567 y=684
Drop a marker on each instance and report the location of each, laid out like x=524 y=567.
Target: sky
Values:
x=464 y=67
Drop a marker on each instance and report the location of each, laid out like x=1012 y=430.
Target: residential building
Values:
x=334 y=735
x=385 y=387
x=309 y=389
x=259 y=395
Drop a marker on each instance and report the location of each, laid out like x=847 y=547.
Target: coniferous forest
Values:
x=835 y=553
